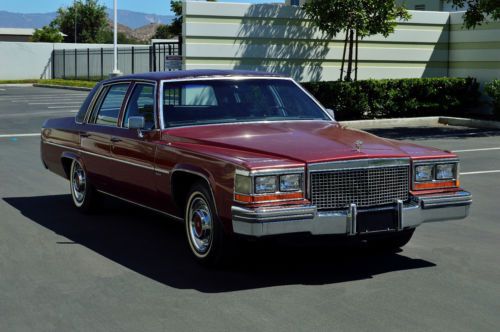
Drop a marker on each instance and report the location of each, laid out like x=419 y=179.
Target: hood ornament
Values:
x=358 y=145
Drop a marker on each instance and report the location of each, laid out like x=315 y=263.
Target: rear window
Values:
x=80 y=116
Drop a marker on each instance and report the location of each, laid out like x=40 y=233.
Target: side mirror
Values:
x=330 y=113
x=136 y=122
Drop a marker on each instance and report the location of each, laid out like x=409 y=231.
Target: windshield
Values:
x=224 y=101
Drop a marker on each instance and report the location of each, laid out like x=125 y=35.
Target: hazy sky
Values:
x=161 y=7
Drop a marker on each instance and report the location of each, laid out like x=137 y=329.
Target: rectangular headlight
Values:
x=266 y=184
x=445 y=171
x=242 y=184
x=424 y=173
x=291 y=182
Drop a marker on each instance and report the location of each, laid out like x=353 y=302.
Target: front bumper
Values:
x=307 y=219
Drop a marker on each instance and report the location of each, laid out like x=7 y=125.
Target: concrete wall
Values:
x=474 y=52
x=24 y=60
x=281 y=39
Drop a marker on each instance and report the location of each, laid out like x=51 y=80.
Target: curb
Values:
x=474 y=123
x=13 y=85
x=420 y=122
x=76 y=88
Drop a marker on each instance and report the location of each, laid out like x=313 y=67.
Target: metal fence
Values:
x=97 y=63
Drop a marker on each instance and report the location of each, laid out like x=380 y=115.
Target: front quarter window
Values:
x=232 y=100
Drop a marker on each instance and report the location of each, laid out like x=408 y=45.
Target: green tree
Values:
x=162 y=32
x=478 y=11
x=47 y=34
x=175 y=27
x=358 y=18
x=91 y=21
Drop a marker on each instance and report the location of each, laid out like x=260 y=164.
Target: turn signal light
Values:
x=268 y=198
x=435 y=185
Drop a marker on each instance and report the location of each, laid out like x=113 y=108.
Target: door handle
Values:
x=115 y=139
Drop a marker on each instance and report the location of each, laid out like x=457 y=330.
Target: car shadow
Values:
x=435 y=132
x=154 y=246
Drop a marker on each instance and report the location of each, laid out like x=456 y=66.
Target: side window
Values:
x=141 y=103
x=109 y=108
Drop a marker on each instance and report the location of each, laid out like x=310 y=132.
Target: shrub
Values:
x=372 y=99
x=492 y=89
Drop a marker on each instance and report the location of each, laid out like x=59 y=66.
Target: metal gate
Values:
x=97 y=63
x=161 y=52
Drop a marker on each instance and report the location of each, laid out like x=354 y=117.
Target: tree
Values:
x=478 y=10
x=358 y=18
x=176 y=25
x=91 y=21
x=162 y=32
x=47 y=34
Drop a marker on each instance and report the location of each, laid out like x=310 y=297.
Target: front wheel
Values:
x=204 y=230
x=82 y=191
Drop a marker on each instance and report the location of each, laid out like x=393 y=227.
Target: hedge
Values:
x=492 y=89
x=397 y=98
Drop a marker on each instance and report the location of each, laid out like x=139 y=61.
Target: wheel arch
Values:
x=182 y=179
x=66 y=161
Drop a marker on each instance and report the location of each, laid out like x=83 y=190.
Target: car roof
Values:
x=186 y=74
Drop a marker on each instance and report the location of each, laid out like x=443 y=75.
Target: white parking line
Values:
x=2 y=89
x=474 y=150
x=62 y=100
x=480 y=172
x=19 y=135
x=61 y=106
x=57 y=103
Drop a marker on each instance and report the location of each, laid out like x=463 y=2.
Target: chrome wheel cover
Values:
x=199 y=224
x=78 y=183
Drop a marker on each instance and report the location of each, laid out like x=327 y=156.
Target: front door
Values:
x=133 y=150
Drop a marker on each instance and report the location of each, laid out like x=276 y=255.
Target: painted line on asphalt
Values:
x=59 y=100
x=2 y=89
x=57 y=103
x=19 y=135
x=38 y=114
x=480 y=172
x=51 y=107
x=474 y=150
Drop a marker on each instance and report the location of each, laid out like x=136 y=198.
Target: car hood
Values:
x=304 y=141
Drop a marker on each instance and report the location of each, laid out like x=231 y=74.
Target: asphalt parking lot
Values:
x=127 y=269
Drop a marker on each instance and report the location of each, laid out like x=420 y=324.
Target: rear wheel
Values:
x=82 y=192
x=204 y=230
x=392 y=242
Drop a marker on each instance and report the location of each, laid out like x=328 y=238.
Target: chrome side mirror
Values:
x=137 y=122
x=330 y=113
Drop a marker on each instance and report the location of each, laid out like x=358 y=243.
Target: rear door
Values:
x=95 y=137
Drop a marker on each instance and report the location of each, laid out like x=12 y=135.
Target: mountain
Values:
x=129 y=18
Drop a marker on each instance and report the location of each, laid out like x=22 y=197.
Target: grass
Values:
x=75 y=83
x=17 y=81
x=61 y=82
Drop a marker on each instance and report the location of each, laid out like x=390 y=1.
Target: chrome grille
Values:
x=366 y=187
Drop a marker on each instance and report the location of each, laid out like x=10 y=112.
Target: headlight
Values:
x=266 y=184
x=424 y=173
x=291 y=182
x=445 y=171
x=242 y=184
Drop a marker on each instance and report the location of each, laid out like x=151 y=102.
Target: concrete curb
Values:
x=13 y=85
x=421 y=122
x=76 y=88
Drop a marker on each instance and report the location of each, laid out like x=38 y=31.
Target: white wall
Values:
x=281 y=39
x=25 y=60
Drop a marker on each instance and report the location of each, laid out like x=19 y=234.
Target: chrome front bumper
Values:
x=307 y=219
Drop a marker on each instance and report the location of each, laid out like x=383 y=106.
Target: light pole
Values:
x=115 y=72
x=76 y=16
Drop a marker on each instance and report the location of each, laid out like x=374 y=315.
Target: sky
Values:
x=160 y=7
